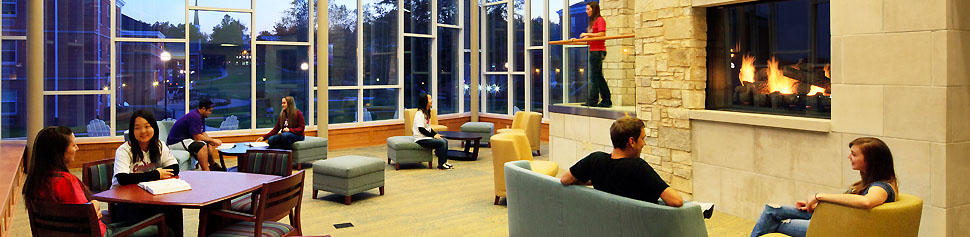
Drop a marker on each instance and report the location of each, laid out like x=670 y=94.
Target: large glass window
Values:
x=13 y=76
x=447 y=70
x=281 y=70
x=343 y=106
x=379 y=106
x=496 y=42
x=496 y=94
x=417 y=16
x=343 y=43
x=518 y=36
x=221 y=71
x=417 y=69
x=151 y=19
x=448 y=12
x=86 y=115
x=77 y=55
x=223 y=4
x=14 y=18
x=518 y=91
x=286 y=20
x=577 y=74
x=536 y=84
x=554 y=72
x=380 y=42
x=536 y=22
x=152 y=77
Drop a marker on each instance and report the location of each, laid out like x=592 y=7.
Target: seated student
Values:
x=623 y=172
x=288 y=129
x=188 y=132
x=143 y=158
x=49 y=180
x=427 y=137
x=872 y=158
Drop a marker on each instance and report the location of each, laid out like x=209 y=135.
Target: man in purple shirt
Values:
x=188 y=133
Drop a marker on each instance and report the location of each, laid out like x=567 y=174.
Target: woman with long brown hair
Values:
x=289 y=127
x=48 y=179
x=597 y=52
x=872 y=158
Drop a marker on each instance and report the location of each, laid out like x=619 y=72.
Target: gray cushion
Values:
x=403 y=143
x=481 y=127
x=310 y=142
x=348 y=166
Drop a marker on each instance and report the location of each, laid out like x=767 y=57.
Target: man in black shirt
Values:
x=623 y=172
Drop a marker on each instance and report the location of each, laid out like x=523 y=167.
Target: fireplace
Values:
x=770 y=57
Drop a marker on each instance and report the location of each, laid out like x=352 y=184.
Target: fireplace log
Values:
x=805 y=73
x=776 y=100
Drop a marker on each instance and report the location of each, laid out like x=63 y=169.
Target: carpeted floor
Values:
x=418 y=202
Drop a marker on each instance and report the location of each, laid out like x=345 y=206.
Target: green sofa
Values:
x=541 y=206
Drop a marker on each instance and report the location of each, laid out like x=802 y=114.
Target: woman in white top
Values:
x=142 y=158
x=427 y=137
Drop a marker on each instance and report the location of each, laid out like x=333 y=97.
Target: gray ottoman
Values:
x=403 y=149
x=480 y=128
x=310 y=149
x=348 y=175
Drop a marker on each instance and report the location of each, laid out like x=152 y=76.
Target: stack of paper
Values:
x=226 y=146
x=258 y=144
x=165 y=186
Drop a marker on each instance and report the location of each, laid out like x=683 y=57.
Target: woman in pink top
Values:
x=289 y=127
x=597 y=52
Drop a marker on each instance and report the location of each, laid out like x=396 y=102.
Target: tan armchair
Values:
x=409 y=121
x=899 y=218
x=528 y=123
x=508 y=147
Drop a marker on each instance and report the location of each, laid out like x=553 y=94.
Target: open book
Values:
x=165 y=186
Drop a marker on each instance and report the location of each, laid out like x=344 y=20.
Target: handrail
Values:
x=584 y=41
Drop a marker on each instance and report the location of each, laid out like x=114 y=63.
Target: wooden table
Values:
x=468 y=138
x=210 y=189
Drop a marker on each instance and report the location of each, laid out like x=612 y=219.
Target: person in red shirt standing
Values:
x=597 y=52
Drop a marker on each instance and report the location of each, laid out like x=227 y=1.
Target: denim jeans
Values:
x=440 y=147
x=784 y=219
x=284 y=140
x=597 y=84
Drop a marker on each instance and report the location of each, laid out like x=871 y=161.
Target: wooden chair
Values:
x=270 y=161
x=97 y=175
x=276 y=199
x=56 y=219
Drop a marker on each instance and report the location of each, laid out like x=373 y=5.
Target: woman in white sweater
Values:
x=427 y=137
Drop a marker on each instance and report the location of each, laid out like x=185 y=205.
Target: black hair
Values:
x=154 y=145
x=423 y=105
x=205 y=104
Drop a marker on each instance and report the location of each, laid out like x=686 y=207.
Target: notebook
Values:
x=258 y=144
x=226 y=146
x=165 y=186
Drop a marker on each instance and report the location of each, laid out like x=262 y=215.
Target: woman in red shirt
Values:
x=49 y=180
x=289 y=127
x=597 y=52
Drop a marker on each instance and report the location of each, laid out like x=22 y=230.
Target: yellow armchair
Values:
x=512 y=147
x=528 y=123
x=899 y=218
x=409 y=121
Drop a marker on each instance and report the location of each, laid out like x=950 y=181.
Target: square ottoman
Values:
x=348 y=175
x=310 y=149
x=480 y=128
x=403 y=149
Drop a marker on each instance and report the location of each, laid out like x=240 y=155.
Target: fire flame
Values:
x=777 y=81
x=816 y=90
x=828 y=69
x=747 y=69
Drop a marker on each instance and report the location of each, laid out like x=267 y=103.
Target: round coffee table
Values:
x=467 y=139
x=238 y=150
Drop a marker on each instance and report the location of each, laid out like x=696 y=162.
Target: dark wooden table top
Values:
x=208 y=187
x=460 y=135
